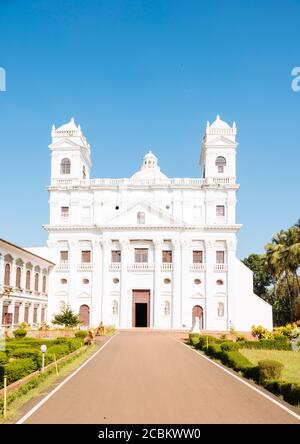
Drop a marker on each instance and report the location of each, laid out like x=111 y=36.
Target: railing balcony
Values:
x=84 y=266
x=167 y=266
x=221 y=267
x=64 y=266
x=141 y=266
x=197 y=266
x=115 y=266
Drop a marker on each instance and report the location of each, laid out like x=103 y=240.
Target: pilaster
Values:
x=106 y=306
x=96 y=294
x=176 y=284
x=125 y=318
x=158 y=243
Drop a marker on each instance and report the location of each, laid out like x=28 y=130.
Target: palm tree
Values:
x=283 y=259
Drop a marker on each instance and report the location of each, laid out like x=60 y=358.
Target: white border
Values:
x=257 y=390
x=38 y=405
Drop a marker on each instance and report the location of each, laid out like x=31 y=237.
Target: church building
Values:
x=149 y=250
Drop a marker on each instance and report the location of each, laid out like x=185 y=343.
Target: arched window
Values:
x=36 y=282
x=220 y=309
x=166 y=308
x=7 y=275
x=115 y=307
x=140 y=217
x=220 y=163
x=27 y=285
x=44 y=284
x=65 y=166
x=18 y=277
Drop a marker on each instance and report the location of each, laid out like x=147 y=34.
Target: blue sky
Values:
x=141 y=75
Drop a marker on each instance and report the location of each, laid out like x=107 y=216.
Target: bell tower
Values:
x=218 y=151
x=70 y=153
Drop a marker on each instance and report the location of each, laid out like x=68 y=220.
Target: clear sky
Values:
x=139 y=75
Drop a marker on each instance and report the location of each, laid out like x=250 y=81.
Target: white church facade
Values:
x=149 y=250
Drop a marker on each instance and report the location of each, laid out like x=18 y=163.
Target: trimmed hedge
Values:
x=3 y=358
x=17 y=370
x=230 y=346
x=290 y=391
x=20 y=333
x=83 y=333
x=59 y=350
x=214 y=350
x=269 y=369
x=31 y=353
x=205 y=340
x=266 y=344
x=236 y=360
x=193 y=338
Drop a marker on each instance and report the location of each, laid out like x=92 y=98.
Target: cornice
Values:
x=100 y=228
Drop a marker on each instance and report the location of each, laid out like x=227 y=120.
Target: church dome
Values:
x=219 y=124
x=149 y=169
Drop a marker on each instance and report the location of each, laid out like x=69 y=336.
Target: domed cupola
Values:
x=149 y=169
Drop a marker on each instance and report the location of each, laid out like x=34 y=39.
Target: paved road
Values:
x=145 y=377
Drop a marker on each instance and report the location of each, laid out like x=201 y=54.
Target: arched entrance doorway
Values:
x=197 y=312
x=84 y=315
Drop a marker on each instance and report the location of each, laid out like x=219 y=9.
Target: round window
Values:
x=63 y=281
x=197 y=281
x=167 y=281
x=85 y=281
x=116 y=280
x=220 y=282
x=117 y=207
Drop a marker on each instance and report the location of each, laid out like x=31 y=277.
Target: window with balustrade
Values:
x=86 y=257
x=167 y=256
x=220 y=257
x=220 y=164
x=141 y=255
x=65 y=166
x=116 y=256
x=64 y=212
x=18 y=277
x=197 y=257
x=64 y=257
x=220 y=210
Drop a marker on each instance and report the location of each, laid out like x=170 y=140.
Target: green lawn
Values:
x=290 y=360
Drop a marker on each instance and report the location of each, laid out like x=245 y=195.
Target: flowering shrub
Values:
x=260 y=332
x=290 y=331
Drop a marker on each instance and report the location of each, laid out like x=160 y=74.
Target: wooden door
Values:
x=140 y=297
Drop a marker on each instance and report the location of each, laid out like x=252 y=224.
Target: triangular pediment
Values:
x=64 y=143
x=154 y=216
x=220 y=141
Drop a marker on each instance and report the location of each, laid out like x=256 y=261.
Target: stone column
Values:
x=186 y=259
x=21 y=312
x=158 y=243
x=176 y=285
x=1 y=270
x=231 y=278
x=23 y=276
x=96 y=293
x=106 y=305
x=210 y=277
x=124 y=308
x=13 y=274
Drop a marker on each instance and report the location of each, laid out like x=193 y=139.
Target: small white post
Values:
x=43 y=350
